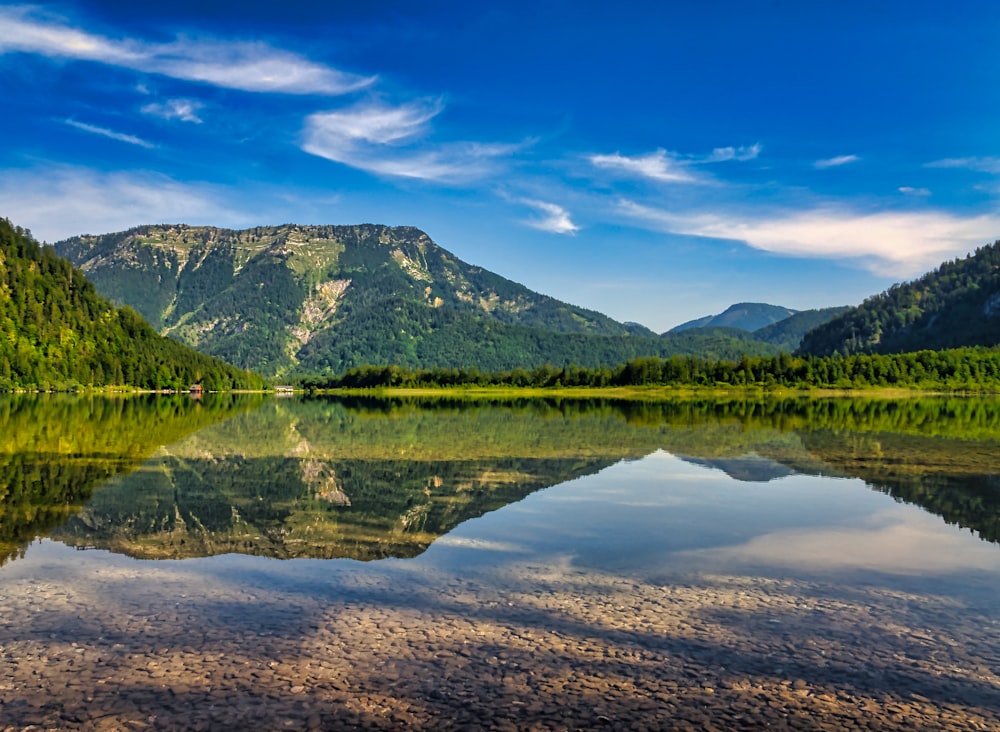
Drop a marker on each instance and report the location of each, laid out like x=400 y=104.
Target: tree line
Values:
x=962 y=369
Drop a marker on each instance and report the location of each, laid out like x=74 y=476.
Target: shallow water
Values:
x=323 y=564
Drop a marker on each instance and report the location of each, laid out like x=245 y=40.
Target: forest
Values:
x=962 y=369
x=956 y=305
x=58 y=334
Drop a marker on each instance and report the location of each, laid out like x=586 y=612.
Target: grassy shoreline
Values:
x=644 y=393
x=628 y=393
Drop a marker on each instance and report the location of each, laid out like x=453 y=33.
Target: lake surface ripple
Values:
x=259 y=563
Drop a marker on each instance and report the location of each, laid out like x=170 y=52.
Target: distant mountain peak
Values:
x=748 y=316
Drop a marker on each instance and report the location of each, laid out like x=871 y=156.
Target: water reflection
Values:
x=55 y=451
x=691 y=565
x=370 y=479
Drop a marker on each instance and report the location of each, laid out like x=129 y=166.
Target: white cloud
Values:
x=254 y=67
x=556 y=220
x=743 y=153
x=910 y=191
x=380 y=139
x=668 y=167
x=376 y=123
x=836 y=162
x=659 y=165
x=61 y=201
x=900 y=244
x=186 y=110
x=104 y=132
x=982 y=165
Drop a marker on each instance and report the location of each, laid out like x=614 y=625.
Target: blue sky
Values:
x=656 y=161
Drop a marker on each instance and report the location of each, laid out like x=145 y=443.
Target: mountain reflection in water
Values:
x=368 y=479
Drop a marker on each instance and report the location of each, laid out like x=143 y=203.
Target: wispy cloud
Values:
x=742 y=154
x=910 y=191
x=982 y=165
x=900 y=244
x=659 y=166
x=835 y=162
x=56 y=202
x=374 y=123
x=668 y=167
x=556 y=219
x=186 y=110
x=111 y=134
x=387 y=140
x=248 y=66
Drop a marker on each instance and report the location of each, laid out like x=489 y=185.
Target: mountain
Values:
x=57 y=332
x=787 y=334
x=322 y=299
x=780 y=327
x=749 y=316
x=956 y=305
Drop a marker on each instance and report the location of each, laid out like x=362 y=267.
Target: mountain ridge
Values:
x=322 y=299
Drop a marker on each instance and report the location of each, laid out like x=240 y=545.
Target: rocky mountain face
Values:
x=277 y=298
x=321 y=299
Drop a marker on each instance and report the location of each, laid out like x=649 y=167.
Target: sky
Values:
x=655 y=161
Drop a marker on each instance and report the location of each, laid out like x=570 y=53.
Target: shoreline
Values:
x=643 y=393
x=623 y=393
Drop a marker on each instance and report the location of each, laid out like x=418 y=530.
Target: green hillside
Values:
x=57 y=332
x=956 y=305
x=787 y=334
x=323 y=299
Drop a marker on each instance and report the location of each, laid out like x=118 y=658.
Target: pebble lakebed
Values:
x=543 y=648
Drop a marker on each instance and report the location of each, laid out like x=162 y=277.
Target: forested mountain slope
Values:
x=57 y=332
x=322 y=299
x=787 y=334
x=956 y=305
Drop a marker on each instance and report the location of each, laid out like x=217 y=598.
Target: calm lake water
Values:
x=263 y=563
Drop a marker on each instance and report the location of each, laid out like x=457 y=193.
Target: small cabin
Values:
x=196 y=389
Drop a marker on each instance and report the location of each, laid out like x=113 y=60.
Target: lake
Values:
x=292 y=563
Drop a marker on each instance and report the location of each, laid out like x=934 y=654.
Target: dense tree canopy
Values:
x=56 y=332
x=966 y=369
x=956 y=305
